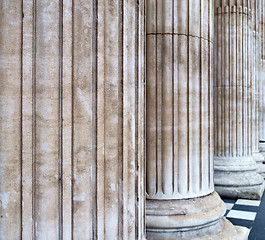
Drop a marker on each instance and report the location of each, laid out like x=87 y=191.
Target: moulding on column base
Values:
x=253 y=192
x=261 y=169
x=220 y=231
x=238 y=178
x=262 y=148
x=196 y=218
x=259 y=158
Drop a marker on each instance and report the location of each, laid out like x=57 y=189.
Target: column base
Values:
x=196 y=218
x=261 y=170
x=253 y=192
x=262 y=148
x=238 y=178
x=259 y=158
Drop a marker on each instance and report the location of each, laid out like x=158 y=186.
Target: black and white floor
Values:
x=247 y=213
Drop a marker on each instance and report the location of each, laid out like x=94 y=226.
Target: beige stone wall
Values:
x=72 y=126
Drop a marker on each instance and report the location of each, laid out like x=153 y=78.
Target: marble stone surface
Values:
x=72 y=120
x=181 y=202
x=262 y=82
x=256 y=84
x=236 y=172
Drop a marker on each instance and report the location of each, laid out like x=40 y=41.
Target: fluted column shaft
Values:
x=262 y=77
x=179 y=97
x=255 y=75
x=72 y=120
x=234 y=83
x=179 y=117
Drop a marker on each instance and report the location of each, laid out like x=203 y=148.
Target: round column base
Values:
x=261 y=169
x=258 y=157
x=238 y=178
x=196 y=218
x=262 y=148
x=222 y=230
x=253 y=192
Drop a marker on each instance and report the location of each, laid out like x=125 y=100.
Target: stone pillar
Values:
x=72 y=120
x=235 y=169
x=255 y=76
x=262 y=77
x=180 y=192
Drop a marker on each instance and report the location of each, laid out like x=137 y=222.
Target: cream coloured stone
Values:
x=72 y=126
x=235 y=169
x=262 y=79
x=181 y=201
x=256 y=84
x=10 y=119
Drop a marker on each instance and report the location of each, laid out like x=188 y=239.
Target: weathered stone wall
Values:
x=72 y=126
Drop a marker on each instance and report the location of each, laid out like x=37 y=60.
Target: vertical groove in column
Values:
x=27 y=123
x=21 y=122
x=233 y=66
x=67 y=70
x=122 y=142
x=188 y=82
x=34 y=25
x=94 y=121
x=60 y=130
x=72 y=117
x=200 y=97
x=262 y=73
x=171 y=28
x=151 y=112
x=141 y=120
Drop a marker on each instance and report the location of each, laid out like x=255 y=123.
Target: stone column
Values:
x=181 y=202
x=72 y=119
x=255 y=76
x=235 y=169
x=262 y=77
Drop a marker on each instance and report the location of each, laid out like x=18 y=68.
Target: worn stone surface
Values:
x=180 y=198
x=262 y=78
x=72 y=125
x=10 y=119
x=235 y=168
x=256 y=84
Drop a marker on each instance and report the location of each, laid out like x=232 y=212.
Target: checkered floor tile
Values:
x=241 y=212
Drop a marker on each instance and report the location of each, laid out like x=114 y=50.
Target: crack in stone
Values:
x=180 y=34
